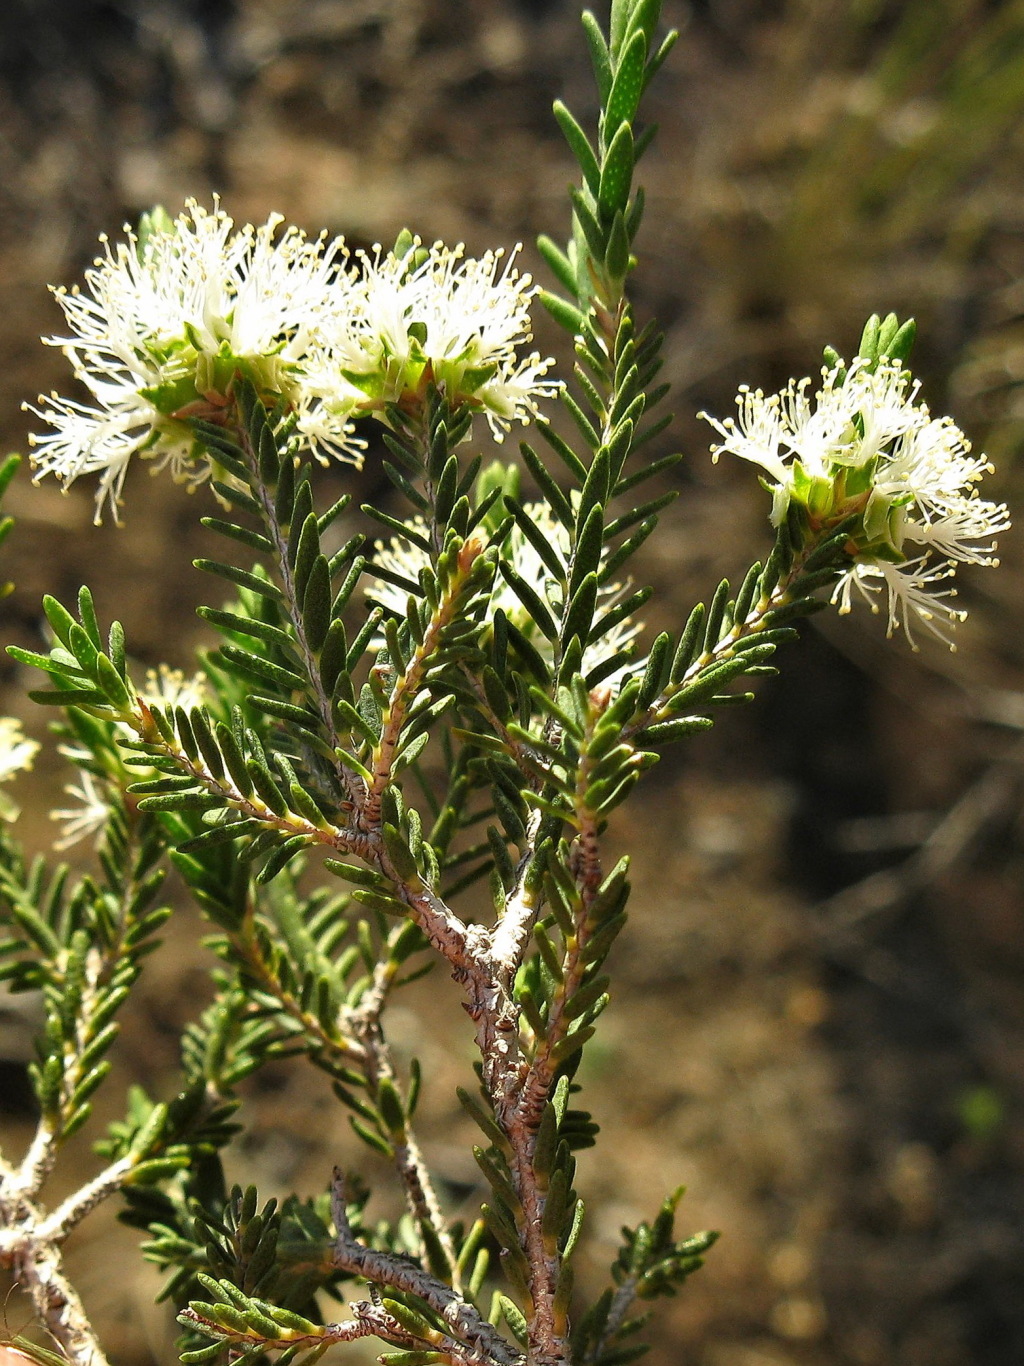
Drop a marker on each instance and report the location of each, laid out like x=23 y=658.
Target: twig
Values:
x=409 y=1161
x=35 y=1261
x=59 y=1223
x=622 y=1302
x=383 y=1268
x=351 y=782
x=510 y=937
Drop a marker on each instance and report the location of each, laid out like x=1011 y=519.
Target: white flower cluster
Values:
x=16 y=755
x=863 y=446
x=93 y=791
x=16 y=751
x=406 y=558
x=171 y=317
x=438 y=317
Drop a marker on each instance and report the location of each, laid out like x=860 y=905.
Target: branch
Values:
x=385 y=1269
x=370 y=1320
x=57 y=1225
x=755 y=621
x=407 y=687
x=622 y=1302
x=249 y=949
x=510 y=937
x=36 y=1264
x=38 y=1161
x=334 y=837
x=351 y=782
x=421 y=1196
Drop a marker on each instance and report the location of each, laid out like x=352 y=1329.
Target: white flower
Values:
x=169 y=688
x=864 y=446
x=16 y=751
x=910 y=591
x=438 y=316
x=87 y=816
x=405 y=558
x=167 y=320
x=165 y=687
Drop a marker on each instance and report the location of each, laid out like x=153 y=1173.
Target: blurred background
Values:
x=820 y=1021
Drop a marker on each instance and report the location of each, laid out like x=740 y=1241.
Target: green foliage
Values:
x=82 y=944
x=388 y=726
x=651 y=1262
x=8 y=469
x=606 y=212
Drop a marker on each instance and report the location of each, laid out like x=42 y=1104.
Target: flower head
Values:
x=17 y=753
x=437 y=316
x=103 y=775
x=864 y=447
x=169 y=688
x=88 y=814
x=166 y=322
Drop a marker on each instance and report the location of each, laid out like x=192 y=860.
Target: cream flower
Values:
x=863 y=445
x=87 y=816
x=167 y=320
x=438 y=316
x=407 y=559
x=16 y=755
x=93 y=791
x=17 y=752
x=166 y=687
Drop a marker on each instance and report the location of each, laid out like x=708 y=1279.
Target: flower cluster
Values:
x=169 y=318
x=16 y=751
x=864 y=447
x=99 y=779
x=407 y=558
x=436 y=317
x=172 y=316
x=17 y=754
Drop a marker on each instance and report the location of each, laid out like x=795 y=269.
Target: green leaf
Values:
x=616 y=179
x=87 y=614
x=618 y=25
x=286 y=711
x=535 y=607
x=563 y=450
x=559 y=264
x=254 y=539
x=546 y=551
x=627 y=87
x=580 y=615
x=663 y=731
x=70 y=697
x=560 y=504
x=246 y=626
x=242 y=577
x=599 y=55
x=655 y=64
x=617 y=256
x=586 y=218
x=234 y=759
x=579 y=145
x=903 y=342
x=60 y=619
x=316 y=604
x=567 y=315
x=643 y=18
x=262 y=668
x=112 y=684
